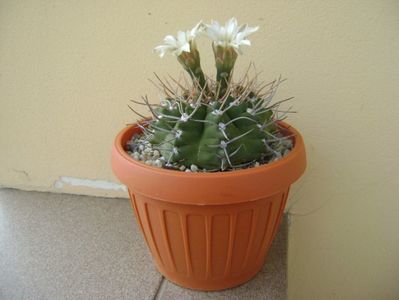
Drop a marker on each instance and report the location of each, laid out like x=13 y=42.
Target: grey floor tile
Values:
x=58 y=246
x=269 y=284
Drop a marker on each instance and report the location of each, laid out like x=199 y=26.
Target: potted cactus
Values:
x=209 y=170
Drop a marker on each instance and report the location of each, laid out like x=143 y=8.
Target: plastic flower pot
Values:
x=208 y=231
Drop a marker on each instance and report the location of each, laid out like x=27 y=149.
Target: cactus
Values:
x=214 y=125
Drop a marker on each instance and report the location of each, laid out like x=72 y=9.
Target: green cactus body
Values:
x=212 y=136
x=216 y=125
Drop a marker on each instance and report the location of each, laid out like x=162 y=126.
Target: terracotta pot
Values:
x=208 y=231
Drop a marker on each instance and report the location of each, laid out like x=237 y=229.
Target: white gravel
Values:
x=141 y=149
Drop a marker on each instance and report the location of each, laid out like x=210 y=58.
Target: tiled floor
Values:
x=58 y=246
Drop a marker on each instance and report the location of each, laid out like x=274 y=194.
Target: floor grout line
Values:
x=159 y=292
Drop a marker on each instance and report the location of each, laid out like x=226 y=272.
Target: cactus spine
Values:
x=214 y=124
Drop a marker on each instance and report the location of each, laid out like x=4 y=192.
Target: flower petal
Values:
x=231 y=26
x=181 y=37
x=245 y=42
x=169 y=39
x=230 y=35
x=185 y=47
x=197 y=29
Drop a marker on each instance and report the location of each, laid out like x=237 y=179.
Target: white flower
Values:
x=176 y=45
x=197 y=30
x=230 y=35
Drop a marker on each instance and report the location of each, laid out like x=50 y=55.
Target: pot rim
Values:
x=212 y=188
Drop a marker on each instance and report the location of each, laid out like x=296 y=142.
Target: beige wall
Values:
x=68 y=69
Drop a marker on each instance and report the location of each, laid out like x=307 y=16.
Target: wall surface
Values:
x=68 y=69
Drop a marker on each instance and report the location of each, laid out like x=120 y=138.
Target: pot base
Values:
x=209 y=247
x=214 y=285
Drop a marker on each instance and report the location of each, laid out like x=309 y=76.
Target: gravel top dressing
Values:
x=139 y=148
